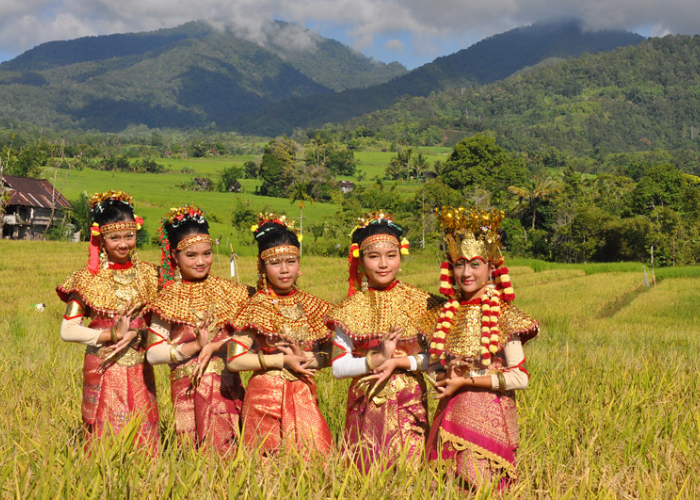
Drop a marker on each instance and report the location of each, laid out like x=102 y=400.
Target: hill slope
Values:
x=487 y=61
x=641 y=98
x=190 y=76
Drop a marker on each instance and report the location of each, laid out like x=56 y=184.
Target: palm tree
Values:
x=420 y=163
x=539 y=189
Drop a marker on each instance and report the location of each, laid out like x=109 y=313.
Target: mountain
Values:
x=644 y=97
x=494 y=58
x=184 y=77
x=194 y=76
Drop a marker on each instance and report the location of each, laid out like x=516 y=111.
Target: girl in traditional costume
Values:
x=186 y=331
x=283 y=338
x=477 y=351
x=118 y=384
x=380 y=344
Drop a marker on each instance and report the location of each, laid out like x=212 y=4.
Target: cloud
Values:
x=420 y=25
x=395 y=45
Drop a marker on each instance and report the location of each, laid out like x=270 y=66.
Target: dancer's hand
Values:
x=449 y=385
x=298 y=364
x=384 y=371
x=290 y=347
x=122 y=320
x=389 y=342
x=202 y=330
x=203 y=360
x=123 y=343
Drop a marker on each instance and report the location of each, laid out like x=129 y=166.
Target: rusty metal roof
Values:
x=30 y=192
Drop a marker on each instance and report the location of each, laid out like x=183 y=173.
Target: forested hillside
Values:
x=487 y=61
x=640 y=98
x=196 y=77
x=187 y=77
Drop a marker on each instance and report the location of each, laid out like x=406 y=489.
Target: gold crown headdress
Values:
x=471 y=233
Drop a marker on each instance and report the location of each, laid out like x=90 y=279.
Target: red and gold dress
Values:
x=395 y=417
x=121 y=388
x=206 y=411
x=476 y=429
x=281 y=407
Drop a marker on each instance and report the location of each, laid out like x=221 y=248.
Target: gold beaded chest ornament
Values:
x=472 y=234
x=173 y=219
x=97 y=204
x=370 y=242
x=269 y=222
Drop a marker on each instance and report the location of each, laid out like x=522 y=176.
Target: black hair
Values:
x=380 y=226
x=110 y=211
x=186 y=227
x=273 y=234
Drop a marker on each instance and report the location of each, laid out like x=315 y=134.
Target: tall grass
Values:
x=611 y=410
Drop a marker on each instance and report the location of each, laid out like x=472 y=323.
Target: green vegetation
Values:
x=647 y=210
x=411 y=120
x=638 y=98
x=601 y=417
x=192 y=76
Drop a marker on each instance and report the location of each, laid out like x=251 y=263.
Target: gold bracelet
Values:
x=419 y=362
x=501 y=382
x=113 y=334
x=261 y=358
x=173 y=354
x=370 y=365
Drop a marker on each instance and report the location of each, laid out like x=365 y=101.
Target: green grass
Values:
x=611 y=411
x=155 y=194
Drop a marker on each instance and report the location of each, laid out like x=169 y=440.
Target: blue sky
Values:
x=412 y=32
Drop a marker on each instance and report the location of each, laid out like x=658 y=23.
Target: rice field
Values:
x=611 y=412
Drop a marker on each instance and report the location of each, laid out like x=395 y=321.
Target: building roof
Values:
x=30 y=192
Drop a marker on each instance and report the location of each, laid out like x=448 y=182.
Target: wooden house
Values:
x=31 y=206
x=346 y=186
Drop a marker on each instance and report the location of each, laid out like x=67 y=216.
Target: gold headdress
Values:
x=471 y=233
x=372 y=241
x=98 y=204
x=269 y=223
x=173 y=219
x=97 y=199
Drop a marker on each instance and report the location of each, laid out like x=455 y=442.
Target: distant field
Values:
x=154 y=194
x=611 y=411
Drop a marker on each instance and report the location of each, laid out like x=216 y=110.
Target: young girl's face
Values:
x=119 y=244
x=194 y=261
x=381 y=264
x=471 y=276
x=282 y=273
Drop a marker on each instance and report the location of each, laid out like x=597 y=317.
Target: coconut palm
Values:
x=539 y=189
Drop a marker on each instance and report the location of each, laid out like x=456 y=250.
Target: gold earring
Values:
x=364 y=283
